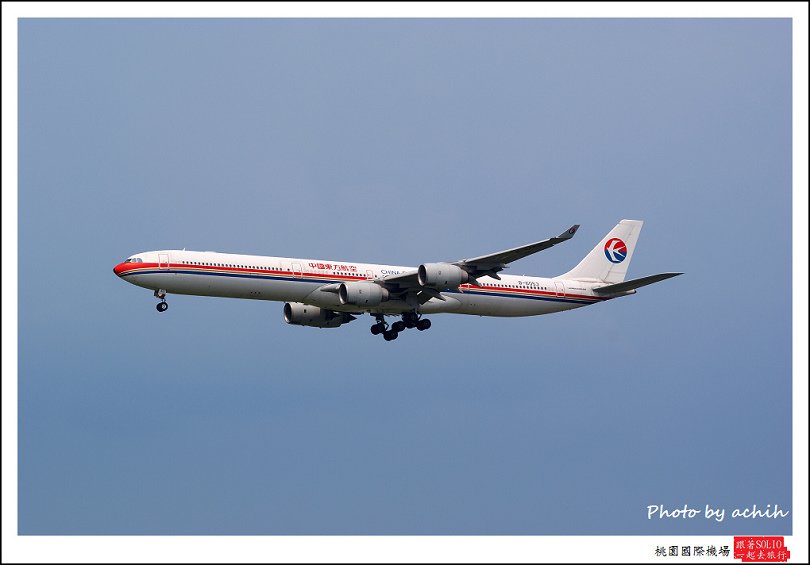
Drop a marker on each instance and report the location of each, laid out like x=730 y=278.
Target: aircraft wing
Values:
x=408 y=283
x=494 y=262
x=477 y=266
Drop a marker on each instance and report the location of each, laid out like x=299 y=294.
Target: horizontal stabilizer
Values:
x=634 y=284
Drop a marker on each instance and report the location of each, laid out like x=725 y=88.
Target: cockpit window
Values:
x=133 y=260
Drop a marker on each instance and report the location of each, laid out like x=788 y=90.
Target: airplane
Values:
x=328 y=294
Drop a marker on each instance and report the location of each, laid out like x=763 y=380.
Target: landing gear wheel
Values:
x=390 y=335
x=422 y=325
x=162 y=306
x=410 y=319
x=398 y=326
x=380 y=326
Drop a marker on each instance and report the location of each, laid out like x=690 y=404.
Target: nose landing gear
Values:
x=162 y=306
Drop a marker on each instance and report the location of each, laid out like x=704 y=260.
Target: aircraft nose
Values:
x=118 y=269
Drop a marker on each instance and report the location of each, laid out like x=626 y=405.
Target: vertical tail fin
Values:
x=609 y=260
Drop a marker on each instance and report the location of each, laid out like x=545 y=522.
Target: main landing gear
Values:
x=162 y=306
x=409 y=320
x=381 y=327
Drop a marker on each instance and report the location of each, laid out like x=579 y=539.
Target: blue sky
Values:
x=403 y=141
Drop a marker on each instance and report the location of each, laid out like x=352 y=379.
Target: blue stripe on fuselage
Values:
x=528 y=297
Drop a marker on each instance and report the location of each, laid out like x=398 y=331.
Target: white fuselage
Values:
x=301 y=280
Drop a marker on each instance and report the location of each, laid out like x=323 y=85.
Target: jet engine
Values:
x=441 y=275
x=362 y=294
x=299 y=314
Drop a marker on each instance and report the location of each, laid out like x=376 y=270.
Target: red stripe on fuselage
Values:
x=124 y=268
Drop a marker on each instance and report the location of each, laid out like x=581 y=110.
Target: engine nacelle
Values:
x=361 y=294
x=441 y=275
x=299 y=314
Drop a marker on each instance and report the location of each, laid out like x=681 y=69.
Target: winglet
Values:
x=569 y=233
